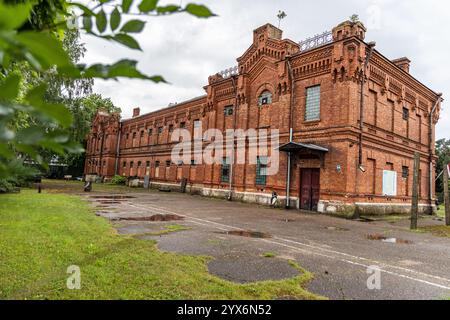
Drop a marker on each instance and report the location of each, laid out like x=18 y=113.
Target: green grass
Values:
x=440 y=230
x=441 y=211
x=41 y=235
x=167 y=230
x=269 y=255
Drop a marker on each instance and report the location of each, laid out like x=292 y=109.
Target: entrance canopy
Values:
x=296 y=146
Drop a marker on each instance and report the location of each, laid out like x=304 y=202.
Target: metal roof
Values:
x=294 y=146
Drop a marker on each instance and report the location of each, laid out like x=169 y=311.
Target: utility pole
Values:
x=446 y=198
x=415 y=192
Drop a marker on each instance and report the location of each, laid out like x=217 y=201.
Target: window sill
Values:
x=311 y=122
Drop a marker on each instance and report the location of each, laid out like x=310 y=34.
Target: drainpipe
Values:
x=230 y=192
x=361 y=105
x=116 y=167
x=291 y=132
x=431 y=147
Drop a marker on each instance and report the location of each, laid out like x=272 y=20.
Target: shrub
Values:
x=119 y=180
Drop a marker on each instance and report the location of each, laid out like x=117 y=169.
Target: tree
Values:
x=32 y=32
x=443 y=154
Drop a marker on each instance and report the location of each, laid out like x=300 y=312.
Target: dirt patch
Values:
x=248 y=234
x=387 y=239
x=156 y=217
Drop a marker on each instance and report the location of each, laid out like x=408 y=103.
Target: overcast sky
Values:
x=186 y=50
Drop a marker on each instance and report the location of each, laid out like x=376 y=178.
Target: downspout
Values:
x=361 y=105
x=430 y=136
x=101 y=152
x=230 y=192
x=116 y=167
x=291 y=104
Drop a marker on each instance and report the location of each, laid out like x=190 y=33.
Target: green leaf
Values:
x=123 y=68
x=86 y=10
x=87 y=23
x=126 y=4
x=147 y=5
x=171 y=8
x=30 y=135
x=199 y=10
x=101 y=21
x=133 y=26
x=13 y=16
x=43 y=47
x=115 y=19
x=9 y=89
x=126 y=40
x=5 y=151
x=55 y=111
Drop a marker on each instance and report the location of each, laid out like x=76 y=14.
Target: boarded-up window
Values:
x=389 y=183
x=312 y=111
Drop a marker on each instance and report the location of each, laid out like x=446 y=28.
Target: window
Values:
x=157 y=164
x=131 y=164
x=228 y=110
x=150 y=132
x=265 y=98
x=225 y=170
x=405 y=113
x=160 y=130
x=142 y=134
x=389 y=183
x=128 y=136
x=261 y=171
x=139 y=164
x=147 y=164
x=312 y=110
x=197 y=123
x=405 y=172
x=124 y=164
x=168 y=163
x=180 y=163
x=134 y=135
x=183 y=125
x=193 y=162
x=171 y=128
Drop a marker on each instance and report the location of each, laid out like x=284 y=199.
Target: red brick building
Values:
x=349 y=152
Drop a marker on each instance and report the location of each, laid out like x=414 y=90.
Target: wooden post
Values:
x=446 y=198
x=415 y=192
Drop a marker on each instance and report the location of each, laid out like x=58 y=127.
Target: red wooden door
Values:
x=309 y=189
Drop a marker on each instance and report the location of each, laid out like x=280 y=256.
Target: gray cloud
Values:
x=186 y=50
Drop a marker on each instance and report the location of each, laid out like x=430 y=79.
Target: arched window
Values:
x=265 y=98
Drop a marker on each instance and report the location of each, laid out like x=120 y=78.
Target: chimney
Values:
x=403 y=63
x=136 y=112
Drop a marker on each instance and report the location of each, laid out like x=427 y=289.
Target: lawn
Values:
x=41 y=235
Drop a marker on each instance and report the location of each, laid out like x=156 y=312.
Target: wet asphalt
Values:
x=339 y=252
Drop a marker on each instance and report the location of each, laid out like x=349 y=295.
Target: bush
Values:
x=119 y=180
x=20 y=176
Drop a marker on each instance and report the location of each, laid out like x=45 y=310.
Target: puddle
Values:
x=112 y=197
x=248 y=234
x=337 y=229
x=387 y=239
x=156 y=217
x=109 y=202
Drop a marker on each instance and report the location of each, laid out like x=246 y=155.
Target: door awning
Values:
x=297 y=146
